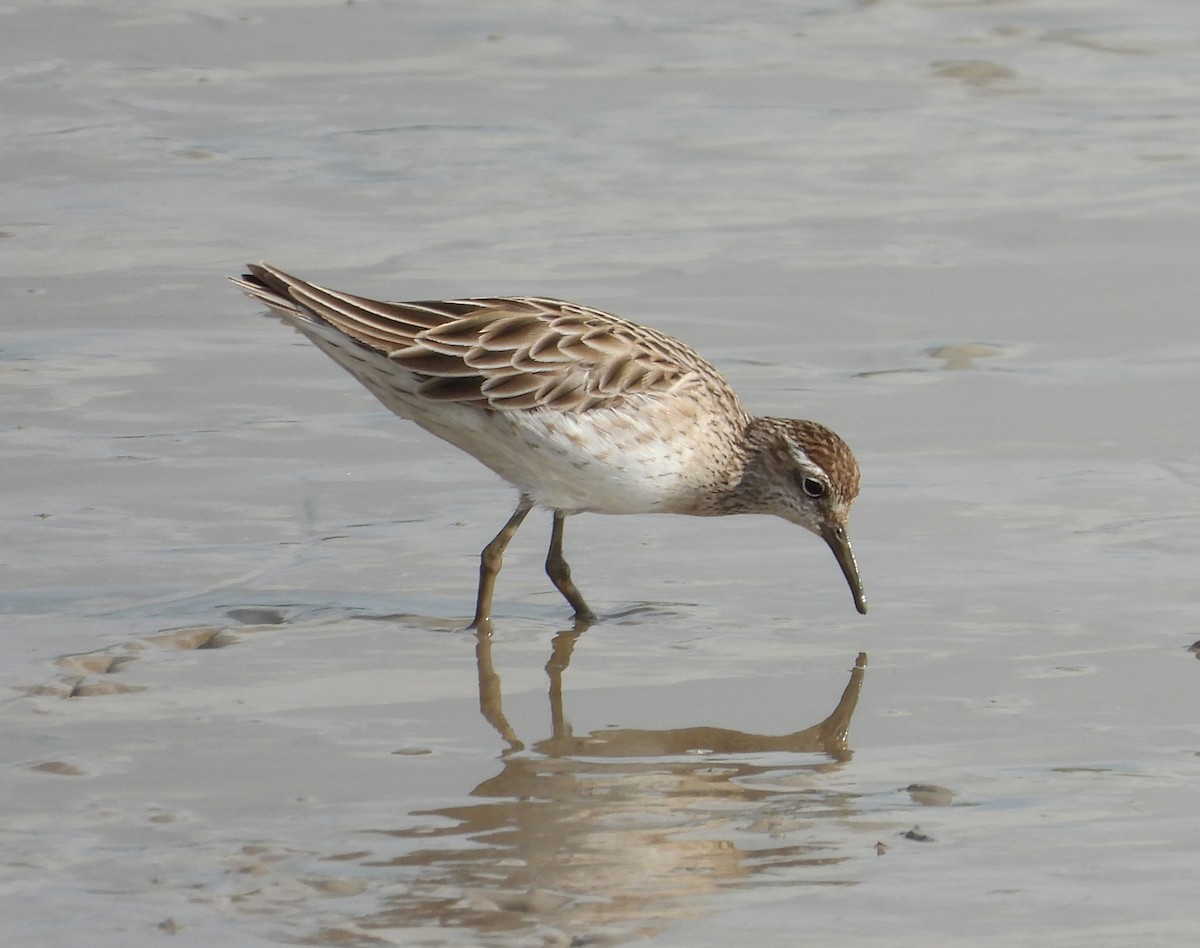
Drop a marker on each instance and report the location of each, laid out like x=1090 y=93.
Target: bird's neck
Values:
x=741 y=488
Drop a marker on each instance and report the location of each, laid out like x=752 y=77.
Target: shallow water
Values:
x=962 y=234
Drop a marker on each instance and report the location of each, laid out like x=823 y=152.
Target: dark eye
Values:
x=812 y=487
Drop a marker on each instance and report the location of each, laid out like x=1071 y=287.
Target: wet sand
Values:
x=238 y=704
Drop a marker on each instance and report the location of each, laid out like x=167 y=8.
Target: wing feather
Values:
x=500 y=353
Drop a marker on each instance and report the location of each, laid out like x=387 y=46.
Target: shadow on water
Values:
x=611 y=833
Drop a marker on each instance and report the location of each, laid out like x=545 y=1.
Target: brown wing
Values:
x=507 y=354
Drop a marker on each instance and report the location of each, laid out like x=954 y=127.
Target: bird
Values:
x=580 y=410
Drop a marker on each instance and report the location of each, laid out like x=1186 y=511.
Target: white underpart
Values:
x=592 y=461
x=616 y=461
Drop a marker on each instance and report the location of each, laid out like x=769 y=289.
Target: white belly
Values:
x=615 y=461
x=652 y=454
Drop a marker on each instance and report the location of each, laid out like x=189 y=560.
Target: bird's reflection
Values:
x=613 y=832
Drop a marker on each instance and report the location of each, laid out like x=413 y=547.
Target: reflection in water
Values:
x=607 y=835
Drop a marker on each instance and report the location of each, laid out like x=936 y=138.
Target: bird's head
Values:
x=809 y=477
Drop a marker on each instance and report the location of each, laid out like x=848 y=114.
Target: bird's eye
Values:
x=812 y=487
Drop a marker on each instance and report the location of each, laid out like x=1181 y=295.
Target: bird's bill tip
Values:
x=839 y=543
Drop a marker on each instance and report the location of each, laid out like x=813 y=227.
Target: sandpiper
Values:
x=580 y=410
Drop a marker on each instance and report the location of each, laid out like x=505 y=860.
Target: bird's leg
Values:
x=490 y=561
x=560 y=573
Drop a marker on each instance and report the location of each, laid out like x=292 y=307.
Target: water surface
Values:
x=961 y=234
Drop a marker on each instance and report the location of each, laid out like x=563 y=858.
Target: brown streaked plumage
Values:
x=580 y=410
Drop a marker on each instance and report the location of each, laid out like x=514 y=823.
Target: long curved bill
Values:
x=840 y=544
